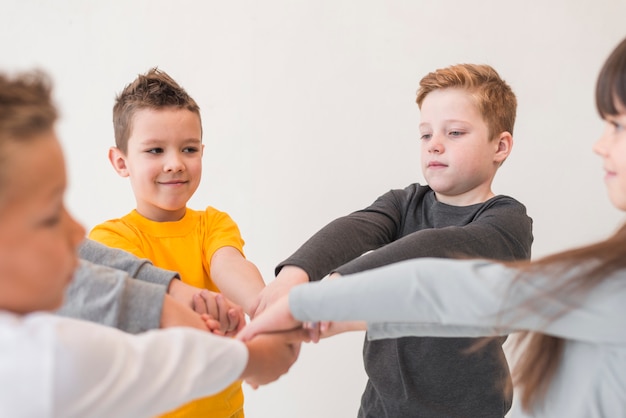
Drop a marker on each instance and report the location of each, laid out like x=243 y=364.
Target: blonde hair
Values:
x=494 y=98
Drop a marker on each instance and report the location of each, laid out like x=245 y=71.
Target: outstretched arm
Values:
x=237 y=278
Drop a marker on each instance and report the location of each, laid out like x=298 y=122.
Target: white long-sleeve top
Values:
x=437 y=297
x=60 y=367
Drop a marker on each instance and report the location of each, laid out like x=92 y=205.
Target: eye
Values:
x=425 y=137
x=51 y=221
x=191 y=150
x=155 y=150
x=456 y=133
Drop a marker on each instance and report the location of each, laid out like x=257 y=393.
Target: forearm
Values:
x=110 y=297
x=100 y=369
x=479 y=239
x=237 y=278
x=340 y=241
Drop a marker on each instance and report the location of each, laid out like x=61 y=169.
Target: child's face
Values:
x=38 y=238
x=163 y=161
x=612 y=148
x=458 y=160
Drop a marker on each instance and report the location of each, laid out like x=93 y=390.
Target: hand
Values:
x=288 y=277
x=203 y=301
x=329 y=328
x=212 y=325
x=176 y=314
x=271 y=356
x=230 y=316
x=276 y=318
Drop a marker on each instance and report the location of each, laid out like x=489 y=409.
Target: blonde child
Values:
x=158 y=137
x=51 y=366
x=570 y=307
x=466 y=126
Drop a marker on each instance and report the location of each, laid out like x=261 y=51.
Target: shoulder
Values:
x=412 y=192
x=505 y=201
x=214 y=215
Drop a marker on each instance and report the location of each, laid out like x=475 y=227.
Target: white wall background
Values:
x=308 y=112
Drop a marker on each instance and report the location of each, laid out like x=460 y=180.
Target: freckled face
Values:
x=163 y=161
x=38 y=237
x=458 y=159
x=612 y=148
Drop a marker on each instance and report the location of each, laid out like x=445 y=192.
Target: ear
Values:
x=202 y=150
x=118 y=161
x=504 y=145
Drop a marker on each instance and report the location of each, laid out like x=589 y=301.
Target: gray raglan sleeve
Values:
x=115 y=288
x=111 y=297
x=138 y=268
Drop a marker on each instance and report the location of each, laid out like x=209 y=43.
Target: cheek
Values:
x=195 y=167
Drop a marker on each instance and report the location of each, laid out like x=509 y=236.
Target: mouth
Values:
x=173 y=182
x=435 y=164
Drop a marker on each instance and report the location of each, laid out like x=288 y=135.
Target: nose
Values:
x=435 y=145
x=173 y=163
x=600 y=146
x=75 y=231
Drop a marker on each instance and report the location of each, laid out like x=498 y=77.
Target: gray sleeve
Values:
x=460 y=298
x=348 y=237
x=502 y=231
x=139 y=268
x=111 y=297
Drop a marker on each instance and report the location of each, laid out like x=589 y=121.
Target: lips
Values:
x=436 y=164
x=173 y=182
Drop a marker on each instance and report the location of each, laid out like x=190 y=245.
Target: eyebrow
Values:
x=154 y=141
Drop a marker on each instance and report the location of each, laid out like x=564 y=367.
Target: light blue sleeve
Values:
x=462 y=298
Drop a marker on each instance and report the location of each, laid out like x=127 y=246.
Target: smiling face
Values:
x=612 y=148
x=458 y=159
x=38 y=237
x=163 y=161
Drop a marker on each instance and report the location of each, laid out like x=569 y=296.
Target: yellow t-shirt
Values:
x=185 y=246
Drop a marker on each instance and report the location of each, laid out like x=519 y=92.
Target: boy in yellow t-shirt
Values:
x=158 y=137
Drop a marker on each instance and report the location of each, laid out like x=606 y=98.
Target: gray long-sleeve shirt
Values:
x=115 y=288
x=468 y=298
x=425 y=376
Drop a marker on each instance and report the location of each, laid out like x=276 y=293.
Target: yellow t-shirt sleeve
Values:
x=224 y=232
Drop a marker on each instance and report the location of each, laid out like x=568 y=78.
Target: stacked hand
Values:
x=221 y=316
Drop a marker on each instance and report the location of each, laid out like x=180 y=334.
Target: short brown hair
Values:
x=26 y=110
x=495 y=99
x=153 y=90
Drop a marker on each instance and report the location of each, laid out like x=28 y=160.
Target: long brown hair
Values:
x=539 y=354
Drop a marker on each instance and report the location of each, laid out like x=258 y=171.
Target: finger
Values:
x=210 y=303
x=222 y=308
x=236 y=319
x=198 y=304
